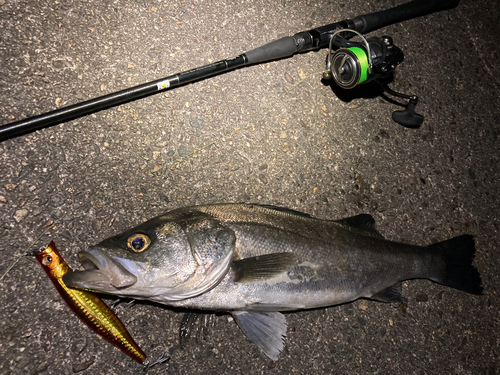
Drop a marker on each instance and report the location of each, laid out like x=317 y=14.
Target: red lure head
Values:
x=51 y=261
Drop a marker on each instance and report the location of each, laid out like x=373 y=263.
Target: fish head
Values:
x=167 y=258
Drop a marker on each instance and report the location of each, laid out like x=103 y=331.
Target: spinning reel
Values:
x=351 y=64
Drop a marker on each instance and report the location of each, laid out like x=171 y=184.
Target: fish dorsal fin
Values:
x=267 y=330
x=363 y=221
x=390 y=295
x=262 y=267
x=284 y=210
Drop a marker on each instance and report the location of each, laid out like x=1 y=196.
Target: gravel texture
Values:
x=271 y=134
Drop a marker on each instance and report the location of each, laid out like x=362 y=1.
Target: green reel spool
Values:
x=349 y=67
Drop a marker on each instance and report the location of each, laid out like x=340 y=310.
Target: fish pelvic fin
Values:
x=267 y=330
x=458 y=254
x=390 y=295
x=190 y=327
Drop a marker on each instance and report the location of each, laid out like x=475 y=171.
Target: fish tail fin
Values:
x=458 y=254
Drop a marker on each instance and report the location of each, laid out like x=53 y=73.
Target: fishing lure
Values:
x=88 y=306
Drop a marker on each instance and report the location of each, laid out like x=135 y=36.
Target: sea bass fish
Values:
x=254 y=261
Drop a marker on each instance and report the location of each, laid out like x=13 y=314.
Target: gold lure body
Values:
x=88 y=306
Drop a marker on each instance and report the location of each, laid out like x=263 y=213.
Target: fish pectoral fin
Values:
x=267 y=330
x=390 y=295
x=363 y=221
x=262 y=267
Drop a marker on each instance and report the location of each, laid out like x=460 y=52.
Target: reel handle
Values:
x=407 y=117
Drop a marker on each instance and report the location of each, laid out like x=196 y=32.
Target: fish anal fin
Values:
x=267 y=330
x=390 y=295
x=363 y=221
x=262 y=267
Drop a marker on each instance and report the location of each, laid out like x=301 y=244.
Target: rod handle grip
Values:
x=277 y=49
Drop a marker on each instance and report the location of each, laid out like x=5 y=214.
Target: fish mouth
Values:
x=102 y=273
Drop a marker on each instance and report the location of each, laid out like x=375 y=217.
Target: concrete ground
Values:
x=279 y=137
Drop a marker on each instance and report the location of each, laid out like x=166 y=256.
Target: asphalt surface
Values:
x=278 y=136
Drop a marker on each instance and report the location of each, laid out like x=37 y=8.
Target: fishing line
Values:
x=27 y=249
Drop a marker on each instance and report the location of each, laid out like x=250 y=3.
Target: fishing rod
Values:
x=349 y=64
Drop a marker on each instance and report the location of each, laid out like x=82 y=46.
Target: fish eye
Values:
x=47 y=260
x=138 y=242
